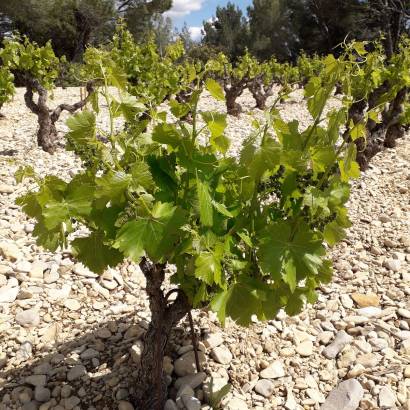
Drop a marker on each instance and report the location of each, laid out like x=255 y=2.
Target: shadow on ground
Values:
x=109 y=374
x=8 y=152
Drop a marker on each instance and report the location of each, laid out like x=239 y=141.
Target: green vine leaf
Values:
x=153 y=236
x=206 y=213
x=95 y=254
x=208 y=267
x=214 y=89
x=82 y=128
x=333 y=233
x=289 y=254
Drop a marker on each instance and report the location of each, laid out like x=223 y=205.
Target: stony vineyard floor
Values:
x=71 y=340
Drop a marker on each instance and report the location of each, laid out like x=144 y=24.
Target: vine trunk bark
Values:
x=233 y=89
x=151 y=391
x=260 y=91
x=381 y=134
x=47 y=131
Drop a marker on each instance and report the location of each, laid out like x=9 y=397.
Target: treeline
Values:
x=285 y=27
x=73 y=24
x=280 y=28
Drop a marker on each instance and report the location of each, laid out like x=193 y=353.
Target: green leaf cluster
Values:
x=7 y=89
x=22 y=55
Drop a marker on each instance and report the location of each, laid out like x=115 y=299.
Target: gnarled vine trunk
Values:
x=47 y=131
x=151 y=389
x=260 y=91
x=233 y=89
x=378 y=135
x=384 y=134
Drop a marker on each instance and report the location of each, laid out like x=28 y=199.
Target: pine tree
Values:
x=228 y=31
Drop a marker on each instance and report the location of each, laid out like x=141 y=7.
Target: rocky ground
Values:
x=71 y=340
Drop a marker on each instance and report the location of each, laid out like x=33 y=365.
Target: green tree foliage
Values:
x=228 y=31
x=163 y=32
x=202 y=52
x=139 y=14
x=285 y=27
x=142 y=67
x=271 y=29
x=73 y=24
x=390 y=18
x=308 y=67
x=185 y=36
x=324 y=24
x=29 y=60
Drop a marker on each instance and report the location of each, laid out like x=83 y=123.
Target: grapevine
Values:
x=39 y=68
x=161 y=197
x=249 y=235
x=7 y=89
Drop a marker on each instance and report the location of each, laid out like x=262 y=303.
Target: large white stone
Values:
x=305 y=348
x=273 y=371
x=291 y=403
x=8 y=294
x=346 y=396
x=192 y=380
x=235 y=403
x=72 y=304
x=404 y=313
x=6 y=189
x=221 y=354
x=125 y=405
x=80 y=270
x=392 y=264
x=42 y=394
x=405 y=347
x=28 y=318
x=264 y=387
x=136 y=351
x=212 y=340
x=185 y=364
x=387 y=398
x=57 y=294
x=37 y=270
x=340 y=341
x=170 y=405
x=191 y=402
x=89 y=354
x=10 y=251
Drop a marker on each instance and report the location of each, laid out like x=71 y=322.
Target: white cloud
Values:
x=196 y=32
x=182 y=8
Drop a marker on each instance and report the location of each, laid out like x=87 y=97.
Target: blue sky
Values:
x=194 y=12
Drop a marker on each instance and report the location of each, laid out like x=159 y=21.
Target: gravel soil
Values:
x=71 y=340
